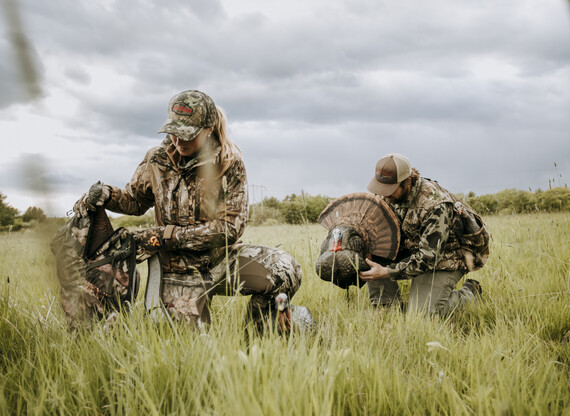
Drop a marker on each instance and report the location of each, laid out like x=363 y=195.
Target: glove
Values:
x=148 y=241
x=98 y=195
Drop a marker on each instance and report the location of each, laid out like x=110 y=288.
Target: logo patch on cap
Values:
x=182 y=109
x=385 y=176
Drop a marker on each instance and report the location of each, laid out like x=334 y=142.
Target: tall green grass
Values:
x=502 y=356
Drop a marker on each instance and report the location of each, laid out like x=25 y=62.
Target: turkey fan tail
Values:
x=384 y=236
x=370 y=215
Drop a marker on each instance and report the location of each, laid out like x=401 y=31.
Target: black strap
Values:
x=100 y=262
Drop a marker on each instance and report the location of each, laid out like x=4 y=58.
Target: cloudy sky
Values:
x=475 y=93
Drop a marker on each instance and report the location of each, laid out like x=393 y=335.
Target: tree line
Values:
x=10 y=218
x=512 y=201
x=293 y=209
x=303 y=208
x=298 y=209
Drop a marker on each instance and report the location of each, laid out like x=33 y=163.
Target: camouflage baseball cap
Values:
x=188 y=113
x=391 y=170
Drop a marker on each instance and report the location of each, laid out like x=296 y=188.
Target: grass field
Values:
x=505 y=355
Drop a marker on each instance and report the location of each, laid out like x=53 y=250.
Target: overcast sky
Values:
x=475 y=92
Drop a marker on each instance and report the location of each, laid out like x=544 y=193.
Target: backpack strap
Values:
x=100 y=262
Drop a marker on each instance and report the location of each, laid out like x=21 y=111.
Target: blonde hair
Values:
x=230 y=151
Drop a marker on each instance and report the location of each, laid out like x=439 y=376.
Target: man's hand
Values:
x=376 y=272
x=97 y=196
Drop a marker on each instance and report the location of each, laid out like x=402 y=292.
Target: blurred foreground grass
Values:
x=503 y=356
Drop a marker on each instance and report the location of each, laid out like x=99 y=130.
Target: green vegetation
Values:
x=7 y=212
x=34 y=214
x=11 y=221
x=294 y=209
x=511 y=201
x=128 y=221
x=298 y=209
x=303 y=208
x=506 y=355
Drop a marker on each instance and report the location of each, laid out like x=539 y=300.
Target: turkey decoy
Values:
x=293 y=317
x=359 y=224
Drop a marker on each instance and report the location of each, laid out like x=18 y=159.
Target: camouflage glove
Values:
x=149 y=241
x=98 y=195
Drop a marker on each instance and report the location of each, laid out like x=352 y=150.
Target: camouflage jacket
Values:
x=428 y=221
x=209 y=210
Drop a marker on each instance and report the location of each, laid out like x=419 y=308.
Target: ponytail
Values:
x=230 y=151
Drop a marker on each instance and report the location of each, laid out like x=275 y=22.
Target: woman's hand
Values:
x=98 y=195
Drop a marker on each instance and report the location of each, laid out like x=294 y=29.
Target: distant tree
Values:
x=271 y=202
x=34 y=213
x=484 y=204
x=7 y=213
x=512 y=201
x=302 y=208
x=315 y=205
x=260 y=214
x=268 y=211
x=293 y=210
x=555 y=199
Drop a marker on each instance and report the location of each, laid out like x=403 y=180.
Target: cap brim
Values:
x=186 y=133
x=382 y=189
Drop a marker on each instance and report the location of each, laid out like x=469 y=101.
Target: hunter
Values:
x=443 y=239
x=196 y=181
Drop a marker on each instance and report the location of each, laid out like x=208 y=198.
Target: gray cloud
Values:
x=475 y=93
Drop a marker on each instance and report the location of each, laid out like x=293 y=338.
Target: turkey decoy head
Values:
x=284 y=320
x=342 y=257
x=293 y=317
x=281 y=302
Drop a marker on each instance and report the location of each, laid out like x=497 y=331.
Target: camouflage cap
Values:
x=391 y=170
x=188 y=113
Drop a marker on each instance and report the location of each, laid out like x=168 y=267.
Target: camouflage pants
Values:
x=432 y=292
x=249 y=269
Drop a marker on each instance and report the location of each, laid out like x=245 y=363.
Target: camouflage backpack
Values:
x=96 y=268
x=471 y=231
